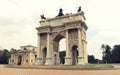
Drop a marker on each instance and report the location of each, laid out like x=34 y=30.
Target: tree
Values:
x=4 y=56
x=116 y=54
x=103 y=48
x=92 y=60
x=106 y=53
x=12 y=51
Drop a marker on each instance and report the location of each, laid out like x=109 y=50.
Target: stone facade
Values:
x=51 y=31
x=24 y=56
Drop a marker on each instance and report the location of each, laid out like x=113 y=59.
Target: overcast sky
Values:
x=18 y=19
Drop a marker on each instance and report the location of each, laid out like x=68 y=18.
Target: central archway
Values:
x=56 y=47
x=62 y=50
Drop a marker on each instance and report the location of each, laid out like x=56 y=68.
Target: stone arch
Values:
x=44 y=52
x=70 y=27
x=56 y=35
x=74 y=54
x=56 y=41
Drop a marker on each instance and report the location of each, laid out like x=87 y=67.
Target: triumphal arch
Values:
x=73 y=28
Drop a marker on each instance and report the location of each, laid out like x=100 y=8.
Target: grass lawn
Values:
x=66 y=67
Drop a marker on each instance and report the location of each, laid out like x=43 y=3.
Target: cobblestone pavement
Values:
x=16 y=71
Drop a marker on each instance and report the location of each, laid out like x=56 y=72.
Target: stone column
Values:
x=24 y=59
x=38 y=51
x=16 y=60
x=68 y=59
x=48 y=58
x=58 y=59
x=80 y=48
x=38 y=60
x=85 y=52
x=84 y=47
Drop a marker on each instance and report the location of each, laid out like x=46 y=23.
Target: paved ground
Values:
x=116 y=66
x=14 y=71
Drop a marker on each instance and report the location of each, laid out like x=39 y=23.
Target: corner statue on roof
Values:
x=60 y=12
x=79 y=9
x=42 y=16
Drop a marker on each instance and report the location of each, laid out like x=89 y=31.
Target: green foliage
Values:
x=4 y=56
x=12 y=51
x=111 y=55
x=116 y=54
x=67 y=67
x=106 y=53
x=102 y=47
x=91 y=59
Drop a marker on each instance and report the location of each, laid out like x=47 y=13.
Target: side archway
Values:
x=19 y=60
x=74 y=54
x=44 y=51
x=56 y=48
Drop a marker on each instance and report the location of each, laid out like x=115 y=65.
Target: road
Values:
x=16 y=71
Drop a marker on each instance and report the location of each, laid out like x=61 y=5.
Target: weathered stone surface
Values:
x=51 y=31
x=24 y=56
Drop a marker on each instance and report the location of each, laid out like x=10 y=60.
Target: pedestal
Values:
x=38 y=61
x=48 y=61
x=68 y=61
x=81 y=61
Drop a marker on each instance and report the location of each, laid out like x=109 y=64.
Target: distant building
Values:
x=26 y=55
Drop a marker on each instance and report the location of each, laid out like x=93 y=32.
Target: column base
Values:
x=38 y=61
x=48 y=61
x=68 y=61
x=86 y=60
x=81 y=61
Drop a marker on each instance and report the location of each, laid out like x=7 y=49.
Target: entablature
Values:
x=62 y=19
